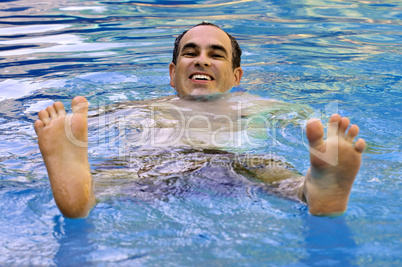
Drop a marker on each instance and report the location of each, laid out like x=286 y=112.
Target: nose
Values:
x=202 y=60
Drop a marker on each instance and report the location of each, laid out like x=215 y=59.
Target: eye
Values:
x=189 y=54
x=217 y=56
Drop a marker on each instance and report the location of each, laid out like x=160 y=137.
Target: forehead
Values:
x=205 y=36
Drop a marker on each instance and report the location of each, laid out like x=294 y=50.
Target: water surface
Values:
x=333 y=56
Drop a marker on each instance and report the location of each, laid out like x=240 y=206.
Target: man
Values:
x=206 y=61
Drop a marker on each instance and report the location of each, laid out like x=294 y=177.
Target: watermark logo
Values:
x=163 y=124
x=328 y=151
x=68 y=127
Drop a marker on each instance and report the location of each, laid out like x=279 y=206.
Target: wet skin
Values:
x=203 y=67
x=209 y=58
x=326 y=187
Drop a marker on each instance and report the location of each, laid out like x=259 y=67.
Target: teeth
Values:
x=201 y=77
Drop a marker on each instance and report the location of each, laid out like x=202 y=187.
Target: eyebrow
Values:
x=213 y=47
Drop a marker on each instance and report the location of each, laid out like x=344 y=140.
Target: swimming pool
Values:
x=329 y=55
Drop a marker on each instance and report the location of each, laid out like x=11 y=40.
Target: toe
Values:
x=44 y=117
x=343 y=125
x=315 y=132
x=79 y=105
x=352 y=133
x=38 y=125
x=360 y=145
x=333 y=125
x=51 y=111
x=59 y=107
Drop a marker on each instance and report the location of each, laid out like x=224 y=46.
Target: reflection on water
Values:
x=308 y=53
x=329 y=242
x=73 y=239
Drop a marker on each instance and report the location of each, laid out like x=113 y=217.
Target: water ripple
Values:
x=308 y=53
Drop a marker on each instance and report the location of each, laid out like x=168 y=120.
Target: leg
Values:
x=63 y=142
x=335 y=163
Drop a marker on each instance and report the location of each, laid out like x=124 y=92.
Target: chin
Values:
x=202 y=91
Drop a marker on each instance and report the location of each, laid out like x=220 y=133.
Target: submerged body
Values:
x=162 y=137
x=206 y=61
x=73 y=187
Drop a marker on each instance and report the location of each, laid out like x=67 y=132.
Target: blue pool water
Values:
x=333 y=55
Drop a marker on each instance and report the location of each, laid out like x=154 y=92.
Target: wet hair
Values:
x=236 y=51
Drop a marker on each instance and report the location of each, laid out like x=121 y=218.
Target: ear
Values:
x=238 y=73
x=172 y=73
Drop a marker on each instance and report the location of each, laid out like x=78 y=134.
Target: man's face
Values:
x=204 y=64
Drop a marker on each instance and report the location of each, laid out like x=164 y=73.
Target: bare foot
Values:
x=335 y=163
x=63 y=143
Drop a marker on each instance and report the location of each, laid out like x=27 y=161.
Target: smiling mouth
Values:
x=201 y=77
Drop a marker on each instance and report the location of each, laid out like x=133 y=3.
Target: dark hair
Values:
x=236 y=51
